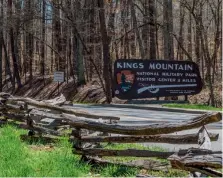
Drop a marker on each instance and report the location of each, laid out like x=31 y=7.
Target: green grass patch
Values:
x=40 y=159
x=121 y=146
x=18 y=159
x=193 y=106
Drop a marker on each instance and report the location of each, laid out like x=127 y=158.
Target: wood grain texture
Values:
x=172 y=139
x=153 y=129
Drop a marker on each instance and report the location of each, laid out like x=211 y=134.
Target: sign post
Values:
x=58 y=77
x=155 y=78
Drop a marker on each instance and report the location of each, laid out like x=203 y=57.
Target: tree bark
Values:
x=135 y=26
x=189 y=36
x=42 y=63
x=152 y=30
x=1 y=45
x=146 y=29
x=106 y=53
x=15 y=62
x=181 y=34
x=168 y=30
x=7 y=64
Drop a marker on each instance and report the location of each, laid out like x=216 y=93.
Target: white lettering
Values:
x=180 y=67
x=129 y=65
x=170 y=66
x=158 y=66
x=119 y=65
x=141 y=66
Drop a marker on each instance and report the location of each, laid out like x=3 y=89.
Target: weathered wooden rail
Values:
x=88 y=131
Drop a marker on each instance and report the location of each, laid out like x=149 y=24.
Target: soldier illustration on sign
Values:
x=125 y=79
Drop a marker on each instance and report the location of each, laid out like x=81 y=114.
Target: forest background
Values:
x=83 y=38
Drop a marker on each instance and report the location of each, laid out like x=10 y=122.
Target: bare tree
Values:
x=1 y=45
x=152 y=29
x=12 y=42
x=168 y=30
x=106 y=56
x=135 y=26
x=42 y=63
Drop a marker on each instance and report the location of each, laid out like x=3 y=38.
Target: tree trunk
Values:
x=181 y=33
x=106 y=52
x=152 y=30
x=189 y=37
x=1 y=41
x=80 y=71
x=168 y=30
x=80 y=63
x=136 y=29
x=197 y=42
x=57 y=37
x=7 y=64
x=146 y=29
x=12 y=40
x=42 y=63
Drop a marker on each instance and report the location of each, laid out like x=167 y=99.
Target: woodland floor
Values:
x=92 y=92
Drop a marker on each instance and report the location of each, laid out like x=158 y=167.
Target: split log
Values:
x=14 y=108
x=143 y=153
x=143 y=164
x=205 y=143
x=34 y=128
x=35 y=138
x=40 y=129
x=197 y=151
x=171 y=139
x=16 y=117
x=190 y=159
x=204 y=139
x=37 y=115
x=205 y=171
x=195 y=160
x=153 y=129
x=60 y=109
x=59 y=101
x=128 y=152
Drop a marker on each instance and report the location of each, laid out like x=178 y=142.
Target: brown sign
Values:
x=155 y=78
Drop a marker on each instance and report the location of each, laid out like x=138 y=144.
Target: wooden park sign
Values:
x=155 y=78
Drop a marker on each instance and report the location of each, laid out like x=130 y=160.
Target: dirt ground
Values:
x=40 y=88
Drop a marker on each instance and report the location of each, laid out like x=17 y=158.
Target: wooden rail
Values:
x=46 y=118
